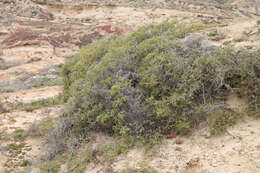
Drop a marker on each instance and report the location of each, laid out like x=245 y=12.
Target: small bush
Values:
x=141 y=170
x=41 y=128
x=216 y=35
x=5 y=65
x=25 y=163
x=29 y=107
x=220 y=120
x=3 y=108
x=241 y=39
x=223 y=25
x=78 y=164
x=110 y=153
x=15 y=148
x=19 y=135
x=50 y=166
x=34 y=59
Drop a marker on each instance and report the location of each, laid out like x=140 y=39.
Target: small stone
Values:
x=214 y=164
x=177 y=148
x=172 y=135
x=179 y=141
x=21 y=157
x=206 y=155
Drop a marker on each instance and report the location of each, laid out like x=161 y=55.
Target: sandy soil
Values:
x=237 y=151
x=27 y=96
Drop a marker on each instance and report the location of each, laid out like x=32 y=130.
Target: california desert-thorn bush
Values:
x=152 y=83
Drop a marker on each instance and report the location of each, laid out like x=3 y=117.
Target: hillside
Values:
x=38 y=37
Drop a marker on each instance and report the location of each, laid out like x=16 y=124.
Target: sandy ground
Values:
x=238 y=151
x=27 y=96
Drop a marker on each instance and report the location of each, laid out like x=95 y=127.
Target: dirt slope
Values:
x=235 y=152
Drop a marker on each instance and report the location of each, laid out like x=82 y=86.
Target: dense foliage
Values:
x=152 y=82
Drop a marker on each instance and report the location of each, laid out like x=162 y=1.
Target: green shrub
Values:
x=41 y=127
x=19 y=135
x=78 y=164
x=141 y=170
x=25 y=163
x=241 y=39
x=50 y=166
x=15 y=148
x=220 y=119
x=6 y=65
x=150 y=82
x=216 y=35
x=3 y=108
x=29 y=107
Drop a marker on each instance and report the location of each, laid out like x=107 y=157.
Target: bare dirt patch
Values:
x=26 y=96
x=236 y=151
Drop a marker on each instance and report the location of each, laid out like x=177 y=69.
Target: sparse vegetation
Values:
x=223 y=25
x=6 y=90
x=216 y=35
x=45 y=81
x=49 y=76
x=3 y=108
x=241 y=39
x=29 y=107
x=50 y=166
x=16 y=148
x=33 y=59
x=25 y=163
x=5 y=65
x=141 y=170
x=221 y=119
x=78 y=163
x=19 y=135
x=41 y=127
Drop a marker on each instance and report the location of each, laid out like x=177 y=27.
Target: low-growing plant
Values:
x=241 y=39
x=223 y=25
x=29 y=107
x=25 y=163
x=216 y=35
x=34 y=59
x=3 y=108
x=213 y=33
x=41 y=127
x=45 y=81
x=78 y=163
x=221 y=119
x=110 y=153
x=15 y=148
x=50 y=166
x=146 y=169
x=5 y=65
x=19 y=135
x=7 y=90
